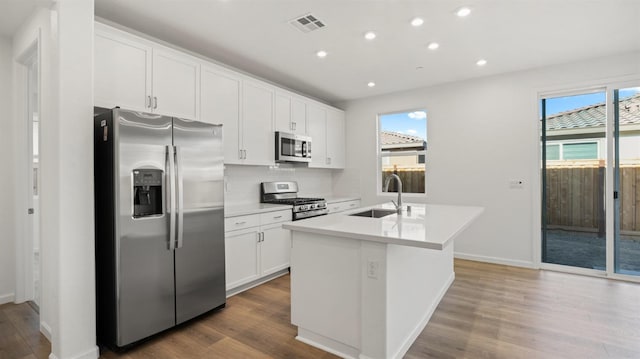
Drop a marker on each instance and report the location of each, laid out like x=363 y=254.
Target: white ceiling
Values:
x=13 y=13
x=512 y=35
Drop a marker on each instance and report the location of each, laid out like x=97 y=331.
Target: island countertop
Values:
x=430 y=226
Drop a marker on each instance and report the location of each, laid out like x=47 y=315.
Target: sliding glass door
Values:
x=573 y=180
x=590 y=144
x=627 y=181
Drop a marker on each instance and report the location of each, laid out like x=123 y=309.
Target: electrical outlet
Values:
x=516 y=184
x=372 y=269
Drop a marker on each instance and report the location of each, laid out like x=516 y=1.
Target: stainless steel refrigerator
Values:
x=159 y=223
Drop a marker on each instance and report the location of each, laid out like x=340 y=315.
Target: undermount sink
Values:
x=375 y=213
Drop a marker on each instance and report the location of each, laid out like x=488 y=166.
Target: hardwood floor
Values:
x=19 y=333
x=490 y=311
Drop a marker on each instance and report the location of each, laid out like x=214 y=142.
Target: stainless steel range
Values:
x=287 y=193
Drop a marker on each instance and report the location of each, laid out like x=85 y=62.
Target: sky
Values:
x=560 y=104
x=412 y=123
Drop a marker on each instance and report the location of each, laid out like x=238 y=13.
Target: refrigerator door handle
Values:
x=180 y=197
x=171 y=182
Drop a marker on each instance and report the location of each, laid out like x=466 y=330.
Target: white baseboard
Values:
x=45 y=329
x=92 y=353
x=241 y=288
x=495 y=260
x=7 y=298
x=423 y=323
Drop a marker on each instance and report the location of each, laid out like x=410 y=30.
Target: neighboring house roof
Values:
x=396 y=140
x=595 y=115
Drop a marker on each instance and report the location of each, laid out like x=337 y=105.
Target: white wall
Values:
x=242 y=183
x=67 y=309
x=7 y=225
x=72 y=153
x=481 y=134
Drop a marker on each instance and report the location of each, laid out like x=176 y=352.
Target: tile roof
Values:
x=595 y=115
x=396 y=138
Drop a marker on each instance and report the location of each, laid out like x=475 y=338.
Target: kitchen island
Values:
x=364 y=287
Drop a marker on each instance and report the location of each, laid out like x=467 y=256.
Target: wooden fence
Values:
x=575 y=196
x=412 y=179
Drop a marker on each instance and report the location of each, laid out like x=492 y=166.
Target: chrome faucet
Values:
x=386 y=189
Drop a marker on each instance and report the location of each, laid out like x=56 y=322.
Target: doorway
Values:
x=590 y=144
x=29 y=102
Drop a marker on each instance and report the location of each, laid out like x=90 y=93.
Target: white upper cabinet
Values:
x=122 y=72
x=142 y=75
x=258 y=138
x=291 y=114
x=326 y=128
x=335 y=139
x=176 y=81
x=220 y=93
x=317 y=130
x=133 y=74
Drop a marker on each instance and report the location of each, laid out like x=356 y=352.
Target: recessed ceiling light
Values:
x=463 y=11
x=370 y=35
x=481 y=62
x=371 y=84
x=417 y=22
x=433 y=45
x=321 y=54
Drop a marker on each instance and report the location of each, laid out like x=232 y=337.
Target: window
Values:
x=572 y=151
x=402 y=147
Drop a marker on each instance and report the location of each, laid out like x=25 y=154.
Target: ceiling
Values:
x=255 y=36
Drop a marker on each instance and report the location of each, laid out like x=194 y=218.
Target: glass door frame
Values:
x=610 y=184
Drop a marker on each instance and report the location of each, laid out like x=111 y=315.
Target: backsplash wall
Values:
x=242 y=183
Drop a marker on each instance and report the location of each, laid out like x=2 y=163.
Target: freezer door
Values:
x=199 y=256
x=144 y=274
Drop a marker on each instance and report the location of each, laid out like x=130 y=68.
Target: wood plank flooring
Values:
x=20 y=333
x=491 y=311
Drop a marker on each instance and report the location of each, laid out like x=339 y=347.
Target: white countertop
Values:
x=427 y=225
x=253 y=208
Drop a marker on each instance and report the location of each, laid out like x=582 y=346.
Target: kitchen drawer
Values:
x=275 y=217
x=342 y=206
x=241 y=222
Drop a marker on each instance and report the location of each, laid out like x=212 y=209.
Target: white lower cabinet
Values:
x=241 y=256
x=255 y=249
x=275 y=248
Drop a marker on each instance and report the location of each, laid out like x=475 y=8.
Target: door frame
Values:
x=606 y=85
x=24 y=240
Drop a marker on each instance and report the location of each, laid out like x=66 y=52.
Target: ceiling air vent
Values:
x=307 y=23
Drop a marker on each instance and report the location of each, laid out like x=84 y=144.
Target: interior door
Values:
x=144 y=261
x=199 y=256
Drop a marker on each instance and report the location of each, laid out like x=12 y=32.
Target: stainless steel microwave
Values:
x=292 y=148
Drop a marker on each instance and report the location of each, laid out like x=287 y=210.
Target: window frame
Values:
x=380 y=155
x=561 y=143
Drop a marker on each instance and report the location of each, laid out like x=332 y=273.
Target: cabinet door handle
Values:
x=148 y=102
x=352 y=205
x=240 y=223
x=155 y=102
x=276 y=217
x=245 y=154
x=294 y=126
